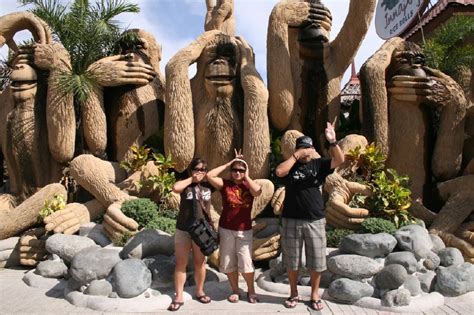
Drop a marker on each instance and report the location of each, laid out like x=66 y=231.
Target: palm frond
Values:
x=107 y=10
x=51 y=11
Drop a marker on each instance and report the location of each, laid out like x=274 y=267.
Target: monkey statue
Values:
x=418 y=121
x=304 y=68
x=220 y=16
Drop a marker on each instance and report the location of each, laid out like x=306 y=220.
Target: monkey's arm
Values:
x=179 y=118
x=256 y=140
x=345 y=45
x=280 y=81
x=60 y=116
x=220 y=16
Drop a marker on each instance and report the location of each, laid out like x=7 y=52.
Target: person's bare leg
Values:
x=182 y=254
x=249 y=279
x=199 y=271
x=233 y=278
x=293 y=280
x=315 y=280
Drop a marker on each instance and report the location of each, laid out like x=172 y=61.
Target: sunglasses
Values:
x=238 y=170
x=203 y=170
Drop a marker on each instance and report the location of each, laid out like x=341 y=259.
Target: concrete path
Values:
x=18 y=298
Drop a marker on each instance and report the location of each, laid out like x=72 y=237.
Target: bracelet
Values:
x=294 y=156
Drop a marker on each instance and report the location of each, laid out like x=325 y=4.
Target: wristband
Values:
x=295 y=157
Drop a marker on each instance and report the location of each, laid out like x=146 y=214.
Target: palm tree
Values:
x=87 y=31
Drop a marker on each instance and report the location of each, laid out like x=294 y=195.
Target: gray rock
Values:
x=427 y=281
x=415 y=239
x=67 y=246
x=455 y=280
x=273 y=227
x=93 y=263
x=400 y=297
x=438 y=243
x=9 y=243
x=51 y=269
x=304 y=281
x=391 y=277
x=148 y=243
x=432 y=261
x=282 y=279
x=95 y=232
x=349 y=291
x=211 y=276
x=406 y=259
x=450 y=256
x=353 y=266
x=162 y=271
x=413 y=285
x=131 y=277
x=99 y=288
x=369 y=245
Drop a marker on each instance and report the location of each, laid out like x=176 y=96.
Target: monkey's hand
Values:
x=51 y=56
x=319 y=15
x=338 y=212
x=191 y=53
x=32 y=247
x=116 y=224
x=216 y=16
x=266 y=248
x=121 y=70
x=277 y=201
x=70 y=219
x=248 y=57
x=410 y=88
x=294 y=14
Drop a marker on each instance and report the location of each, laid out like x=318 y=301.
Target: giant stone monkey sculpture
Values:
x=398 y=118
x=304 y=68
x=220 y=16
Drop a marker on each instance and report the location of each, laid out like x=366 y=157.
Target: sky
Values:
x=176 y=23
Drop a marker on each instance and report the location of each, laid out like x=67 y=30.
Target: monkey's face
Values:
x=23 y=84
x=408 y=62
x=221 y=66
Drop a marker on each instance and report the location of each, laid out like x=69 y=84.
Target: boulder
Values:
x=9 y=243
x=400 y=297
x=51 y=269
x=391 y=277
x=349 y=291
x=353 y=266
x=432 y=261
x=369 y=245
x=415 y=239
x=427 y=281
x=148 y=243
x=406 y=259
x=455 y=280
x=413 y=285
x=95 y=232
x=93 y=263
x=99 y=288
x=67 y=246
x=131 y=277
x=450 y=256
x=438 y=243
x=162 y=271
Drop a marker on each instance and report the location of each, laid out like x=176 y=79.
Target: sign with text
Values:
x=394 y=16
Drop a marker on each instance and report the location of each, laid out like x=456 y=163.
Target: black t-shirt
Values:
x=303 y=199
x=186 y=208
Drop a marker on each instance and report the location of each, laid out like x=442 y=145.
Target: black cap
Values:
x=304 y=142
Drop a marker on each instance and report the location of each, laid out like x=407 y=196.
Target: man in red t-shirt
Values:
x=235 y=224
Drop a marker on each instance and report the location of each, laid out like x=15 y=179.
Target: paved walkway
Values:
x=18 y=298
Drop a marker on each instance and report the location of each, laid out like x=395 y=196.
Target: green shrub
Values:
x=122 y=239
x=142 y=210
x=378 y=225
x=163 y=224
x=334 y=237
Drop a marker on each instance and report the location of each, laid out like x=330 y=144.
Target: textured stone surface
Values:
x=438 y=243
x=349 y=291
x=51 y=269
x=432 y=261
x=93 y=263
x=427 y=281
x=131 y=277
x=391 y=277
x=406 y=259
x=67 y=246
x=353 y=266
x=9 y=243
x=455 y=280
x=95 y=232
x=99 y=288
x=369 y=245
x=450 y=256
x=400 y=297
x=413 y=285
x=162 y=270
x=415 y=239
x=148 y=243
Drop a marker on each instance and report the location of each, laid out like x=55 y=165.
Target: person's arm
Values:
x=255 y=189
x=181 y=185
x=284 y=167
x=212 y=176
x=337 y=156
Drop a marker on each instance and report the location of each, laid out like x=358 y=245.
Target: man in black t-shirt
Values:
x=303 y=212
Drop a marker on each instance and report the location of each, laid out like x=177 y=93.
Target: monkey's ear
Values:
x=374 y=93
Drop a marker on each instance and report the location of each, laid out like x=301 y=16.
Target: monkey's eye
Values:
x=418 y=60
x=403 y=60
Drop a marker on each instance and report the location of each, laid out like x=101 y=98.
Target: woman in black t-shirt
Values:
x=192 y=188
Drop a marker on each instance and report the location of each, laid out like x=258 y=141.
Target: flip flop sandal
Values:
x=233 y=298
x=204 y=299
x=175 y=305
x=252 y=298
x=316 y=305
x=292 y=301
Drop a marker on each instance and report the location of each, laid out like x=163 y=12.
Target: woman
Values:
x=235 y=225
x=194 y=191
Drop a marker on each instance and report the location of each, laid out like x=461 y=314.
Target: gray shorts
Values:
x=312 y=234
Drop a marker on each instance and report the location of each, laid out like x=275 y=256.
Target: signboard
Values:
x=392 y=17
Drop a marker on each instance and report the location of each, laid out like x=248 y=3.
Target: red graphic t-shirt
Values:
x=237 y=204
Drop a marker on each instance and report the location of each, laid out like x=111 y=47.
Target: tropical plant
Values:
x=88 y=32
x=162 y=182
x=164 y=224
x=378 y=225
x=334 y=237
x=58 y=202
x=448 y=49
x=365 y=163
x=142 y=210
x=140 y=156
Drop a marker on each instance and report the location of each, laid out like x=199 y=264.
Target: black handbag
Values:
x=202 y=232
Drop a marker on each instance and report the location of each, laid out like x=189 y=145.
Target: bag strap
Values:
x=201 y=202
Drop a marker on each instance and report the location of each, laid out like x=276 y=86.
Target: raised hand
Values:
x=410 y=88
x=330 y=133
x=116 y=224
